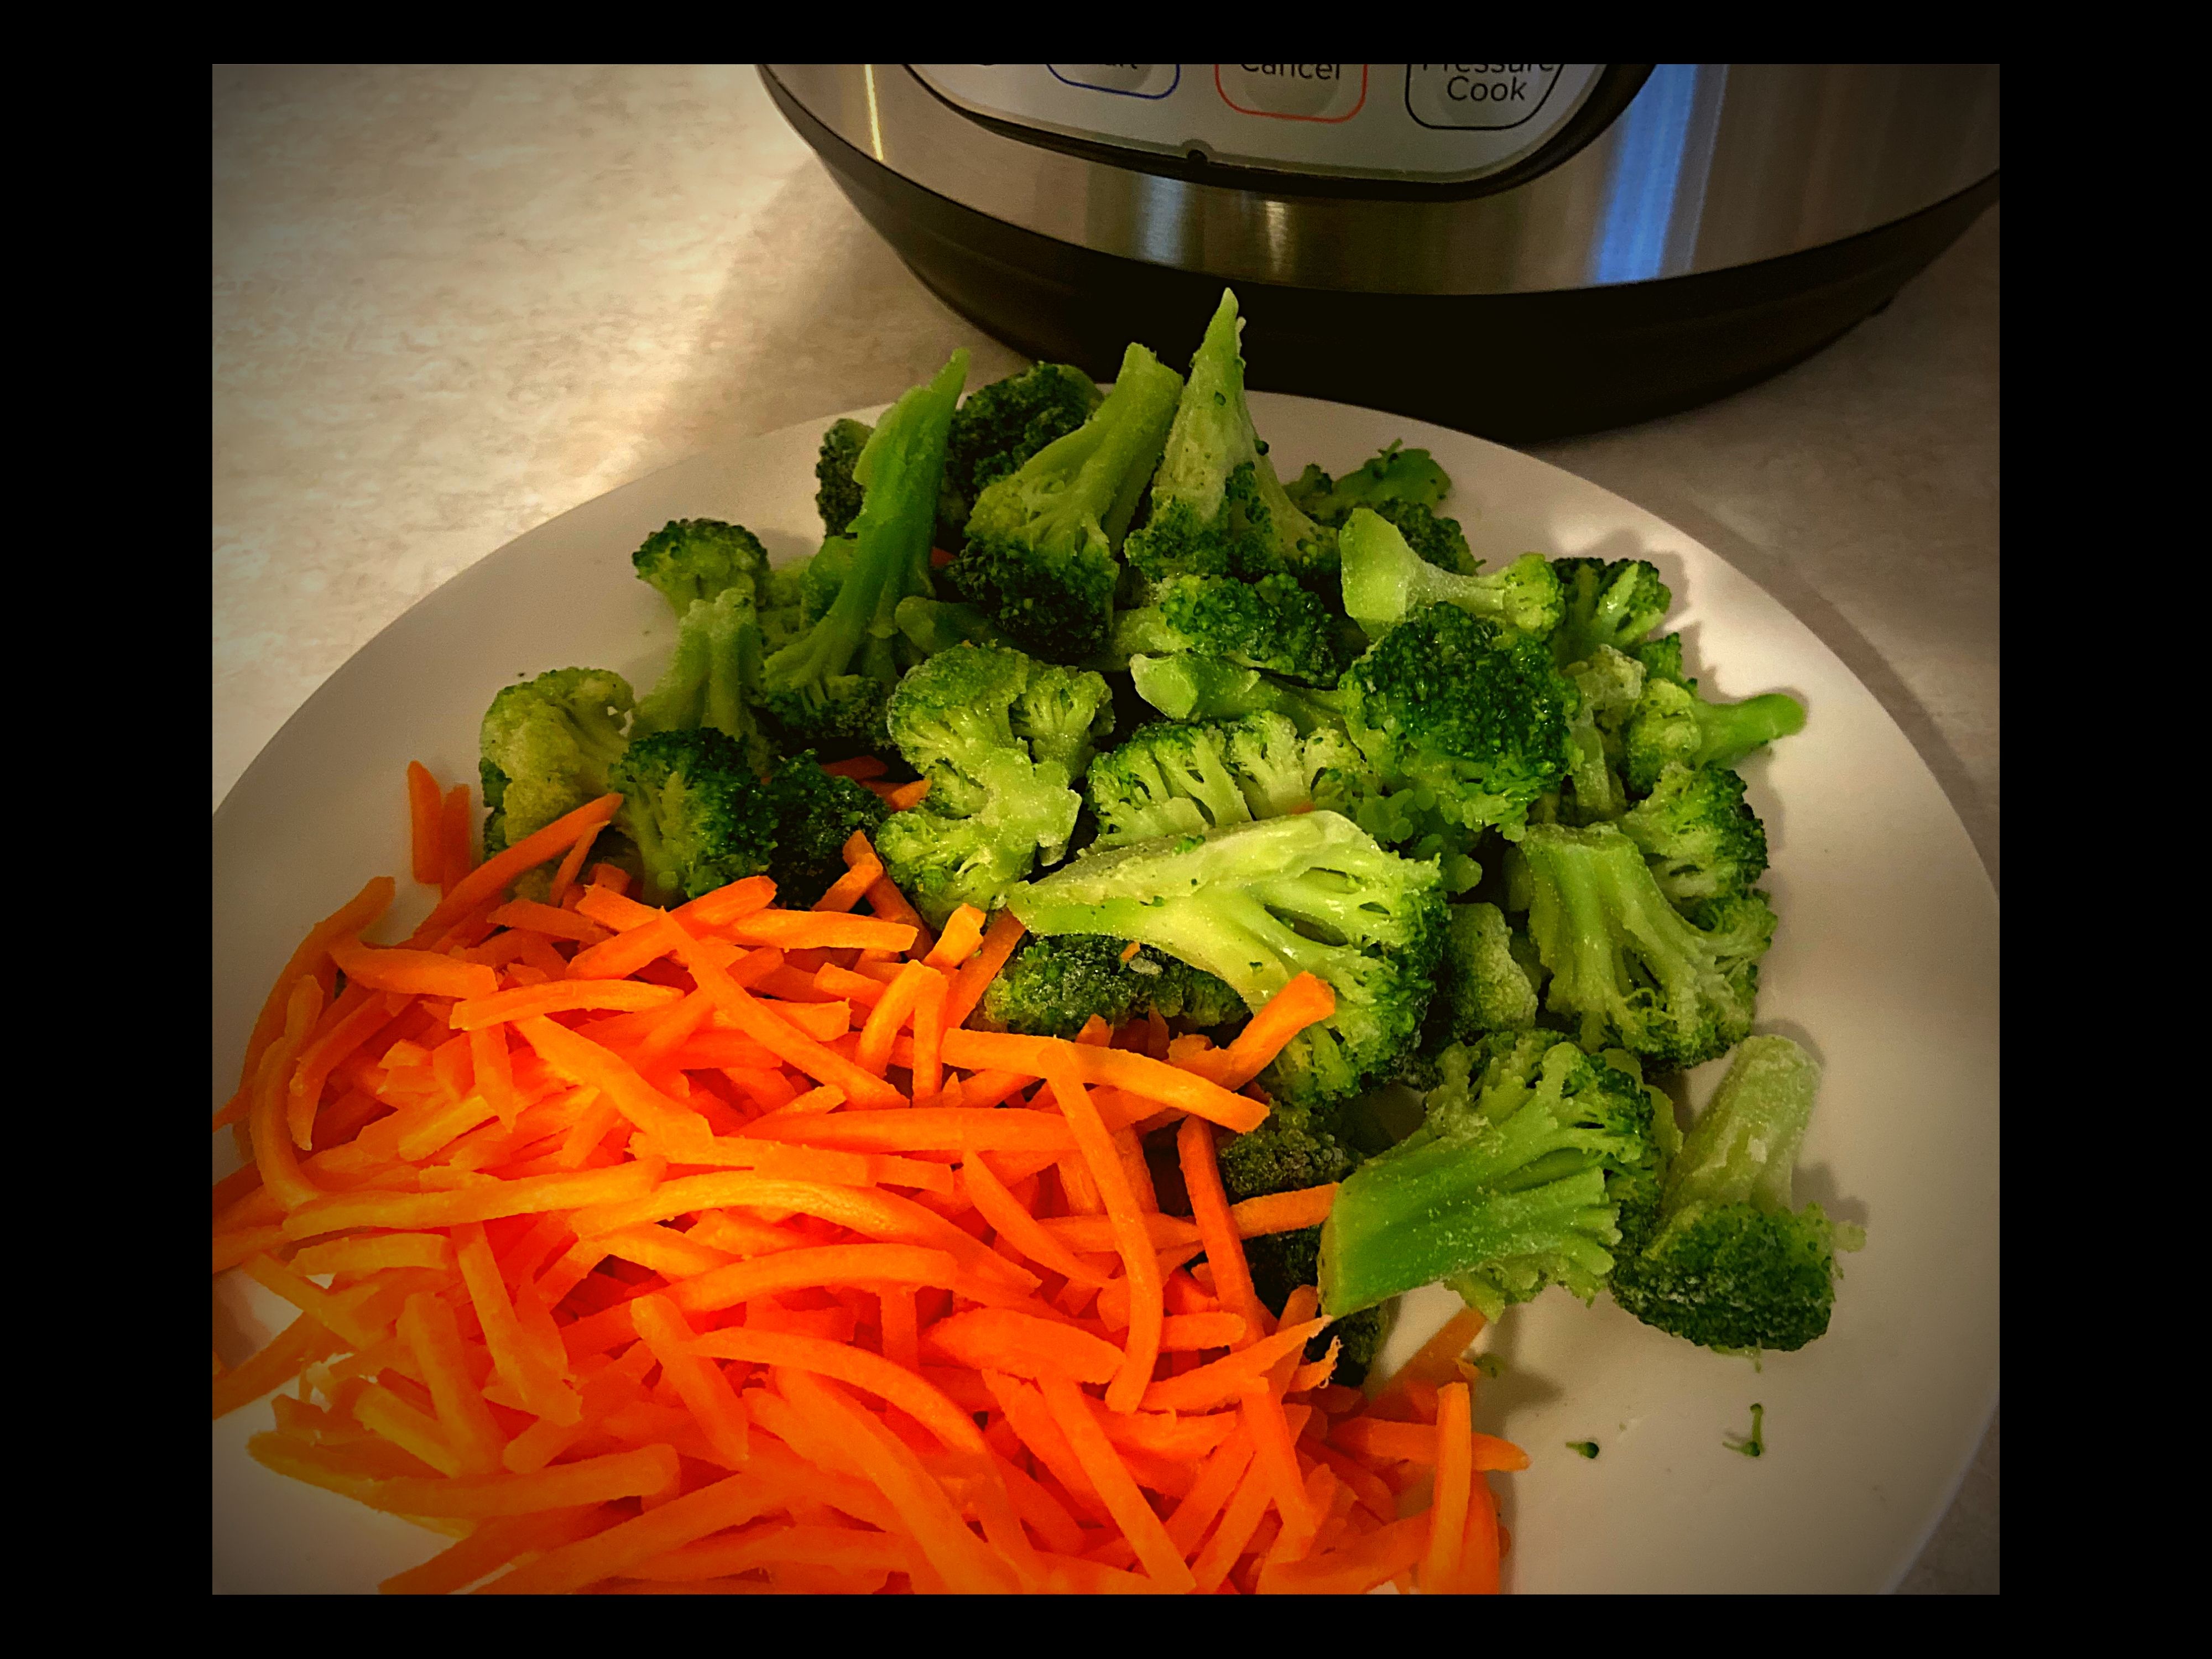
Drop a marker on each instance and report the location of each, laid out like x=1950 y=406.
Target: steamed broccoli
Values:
x=692 y=559
x=1730 y=1264
x=1217 y=509
x=1180 y=780
x=1039 y=560
x=1472 y=713
x=1481 y=986
x=998 y=426
x=1395 y=475
x=1256 y=903
x=1631 y=971
x=837 y=498
x=1384 y=579
x=828 y=687
x=820 y=576
x=1189 y=686
x=1662 y=660
x=696 y=809
x=1673 y=725
x=1606 y=685
x=1280 y=1262
x=546 y=745
x=964 y=720
x=1052 y=987
x=1700 y=837
x=712 y=675
x=815 y=815
x=935 y=625
x=1615 y=605
x=1524 y=1173
x=1271 y=623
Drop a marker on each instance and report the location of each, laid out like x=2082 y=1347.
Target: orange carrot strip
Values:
x=772 y=1544
x=1354 y=1570
x=891 y=906
x=583 y=1061
x=1189 y=1333
x=1120 y=1068
x=334 y=1212
x=1438 y=1356
x=494 y=1545
x=977 y=972
x=907 y=796
x=1238 y=1524
x=825 y=1021
x=350 y=1021
x=388 y=1417
x=274 y=1152
x=1023 y=1345
x=1024 y=1411
x=542 y=1393
x=831 y=980
x=796 y=929
x=1274 y=1453
x=1222 y=1383
x=899 y=1321
x=859 y=767
x=432 y=1336
x=374 y=1253
x=1282 y=1212
x=1447 y=1509
x=1306 y=1000
x=571 y=866
x=706 y=1393
x=1095 y=1235
x=455 y=843
x=672 y=1255
x=863 y=869
x=757 y=1021
x=928 y=1069
x=1142 y=1344
x=422 y=973
x=889 y=1014
x=287 y=1353
x=1116 y=1488
x=729 y=1501
x=874 y=1374
x=1216 y=1228
x=923 y=1129
x=1316 y=1374
x=499 y=872
x=1369 y=1488
x=962 y=934
x=1217 y=1482
x=563 y=996
x=806 y=1269
x=424 y=804
x=1375 y=1439
x=357 y=913
x=1010 y=1221
x=1484 y=1543
x=492 y=1073
x=549 y=920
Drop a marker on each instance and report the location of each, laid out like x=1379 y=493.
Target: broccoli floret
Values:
x=828 y=686
x=1534 y=1160
x=1182 y=779
x=545 y=748
x=695 y=811
x=815 y=815
x=1481 y=986
x=1678 y=987
x=838 y=496
x=1730 y=1266
x=1040 y=555
x=1255 y=904
x=820 y=576
x=1280 y=1262
x=1673 y=725
x=1615 y=605
x=692 y=559
x=1662 y=660
x=935 y=625
x=712 y=676
x=1438 y=540
x=998 y=426
x=1697 y=833
x=1052 y=987
x=1271 y=623
x=994 y=807
x=1606 y=685
x=1217 y=509
x=1385 y=580
x=1063 y=714
x=1474 y=714
x=1394 y=475
x=1186 y=686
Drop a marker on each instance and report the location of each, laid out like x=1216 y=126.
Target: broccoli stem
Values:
x=1730 y=731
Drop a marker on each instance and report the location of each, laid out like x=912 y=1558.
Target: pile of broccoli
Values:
x=1201 y=731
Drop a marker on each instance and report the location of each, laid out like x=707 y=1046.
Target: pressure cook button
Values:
x=1478 y=97
x=1128 y=80
x=1293 y=92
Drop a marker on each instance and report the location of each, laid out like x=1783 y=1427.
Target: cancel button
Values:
x=1293 y=92
x=1483 y=97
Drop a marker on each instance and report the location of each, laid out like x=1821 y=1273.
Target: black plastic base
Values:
x=1512 y=366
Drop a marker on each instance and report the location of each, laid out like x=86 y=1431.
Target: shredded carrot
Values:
x=455 y=838
x=1163 y=1561
x=496 y=875
x=424 y=806
x=859 y=767
x=962 y=935
x=907 y=796
x=1440 y=1562
x=1138 y=1263
x=1278 y=1213
x=863 y=869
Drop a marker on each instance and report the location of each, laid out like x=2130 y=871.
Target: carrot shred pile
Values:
x=707 y=1250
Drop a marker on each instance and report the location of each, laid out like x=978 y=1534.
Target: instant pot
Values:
x=1520 y=250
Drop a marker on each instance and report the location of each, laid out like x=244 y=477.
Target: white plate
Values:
x=1885 y=965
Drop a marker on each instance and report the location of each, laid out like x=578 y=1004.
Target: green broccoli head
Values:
x=1255 y=904
x=1533 y=1161
x=1607 y=686
x=837 y=497
x=1180 y=780
x=1630 y=969
x=1699 y=835
x=1040 y=558
x=1054 y=987
x=1482 y=987
x=998 y=426
x=1395 y=476
x=546 y=746
x=829 y=687
x=1474 y=714
x=815 y=815
x=1187 y=686
x=695 y=811
x=1438 y=540
x=1662 y=660
x=1062 y=714
x=1385 y=580
x=1672 y=725
x=1217 y=509
x=1615 y=605
x=713 y=676
x=1271 y=624
x=1730 y=1264
x=692 y=559
x=934 y=625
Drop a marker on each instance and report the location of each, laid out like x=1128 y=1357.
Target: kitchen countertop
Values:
x=453 y=303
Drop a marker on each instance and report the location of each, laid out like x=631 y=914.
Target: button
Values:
x=1128 y=80
x=1478 y=97
x=1293 y=92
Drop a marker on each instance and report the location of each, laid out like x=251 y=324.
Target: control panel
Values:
x=1438 y=123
